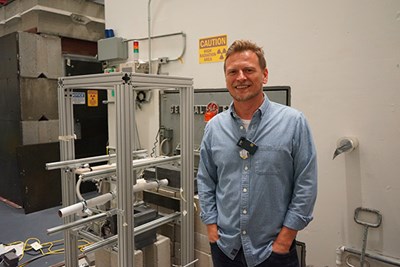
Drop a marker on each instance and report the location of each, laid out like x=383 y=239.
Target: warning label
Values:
x=78 y=98
x=93 y=98
x=213 y=49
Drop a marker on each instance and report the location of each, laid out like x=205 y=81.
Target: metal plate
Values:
x=10 y=114
x=41 y=188
x=160 y=200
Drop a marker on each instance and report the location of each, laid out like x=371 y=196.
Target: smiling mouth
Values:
x=242 y=86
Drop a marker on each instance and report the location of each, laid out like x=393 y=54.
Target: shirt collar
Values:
x=262 y=109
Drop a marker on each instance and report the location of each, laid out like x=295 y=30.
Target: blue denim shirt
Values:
x=251 y=199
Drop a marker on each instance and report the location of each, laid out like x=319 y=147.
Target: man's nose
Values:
x=241 y=76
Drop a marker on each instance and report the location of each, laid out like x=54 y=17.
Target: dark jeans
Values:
x=274 y=260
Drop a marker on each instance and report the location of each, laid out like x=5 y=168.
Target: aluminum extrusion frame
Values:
x=124 y=83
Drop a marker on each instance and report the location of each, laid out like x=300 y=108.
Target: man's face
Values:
x=244 y=77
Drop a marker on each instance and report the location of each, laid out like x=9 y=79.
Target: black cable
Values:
x=33 y=259
x=153 y=150
x=32 y=253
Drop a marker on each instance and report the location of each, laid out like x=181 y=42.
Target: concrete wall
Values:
x=342 y=61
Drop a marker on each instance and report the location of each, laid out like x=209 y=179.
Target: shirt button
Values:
x=246 y=168
x=241 y=127
x=244 y=211
x=245 y=190
x=244 y=232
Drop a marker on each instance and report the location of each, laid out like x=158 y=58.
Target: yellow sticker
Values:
x=93 y=98
x=213 y=49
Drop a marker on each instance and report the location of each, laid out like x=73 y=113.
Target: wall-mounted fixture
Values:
x=345 y=144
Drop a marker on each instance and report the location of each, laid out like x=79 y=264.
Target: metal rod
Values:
x=104 y=243
x=125 y=111
x=156 y=223
x=183 y=49
x=67 y=152
x=79 y=162
x=155 y=36
x=380 y=258
x=187 y=173
x=138 y=230
x=75 y=163
x=60 y=228
x=136 y=164
x=149 y=34
x=89 y=236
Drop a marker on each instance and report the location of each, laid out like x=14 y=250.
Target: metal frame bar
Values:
x=76 y=223
x=76 y=163
x=135 y=165
x=67 y=152
x=118 y=78
x=126 y=176
x=137 y=231
x=187 y=173
x=124 y=84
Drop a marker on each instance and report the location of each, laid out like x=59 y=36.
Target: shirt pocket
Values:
x=268 y=160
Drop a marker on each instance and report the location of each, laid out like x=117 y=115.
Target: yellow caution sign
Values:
x=213 y=49
x=93 y=98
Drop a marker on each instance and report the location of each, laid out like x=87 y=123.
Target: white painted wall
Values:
x=342 y=61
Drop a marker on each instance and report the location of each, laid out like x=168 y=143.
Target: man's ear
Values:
x=265 y=79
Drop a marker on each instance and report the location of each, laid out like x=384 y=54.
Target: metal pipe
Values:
x=138 y=230
x=149 y=34
x=103 y=243
x=75 y=223
x=183 y=50
x=89 y=236
x=75 y=163
x=380 y=258
x=156 y=36
x=136 y=164
x=165 y=35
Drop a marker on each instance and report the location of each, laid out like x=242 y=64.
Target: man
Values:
x=257 y=177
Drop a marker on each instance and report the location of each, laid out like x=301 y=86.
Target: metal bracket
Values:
x=126 y=78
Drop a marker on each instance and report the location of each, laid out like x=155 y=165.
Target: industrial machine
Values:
x=112 y=218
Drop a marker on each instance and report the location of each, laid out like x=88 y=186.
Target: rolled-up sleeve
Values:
x=300 y=211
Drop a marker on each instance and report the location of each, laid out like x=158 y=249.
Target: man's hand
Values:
x=284 y=240
x=212 y=230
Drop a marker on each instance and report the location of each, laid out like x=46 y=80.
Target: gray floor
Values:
x=15 y=225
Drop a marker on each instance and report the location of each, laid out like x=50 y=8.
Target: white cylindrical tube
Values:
x=140 y=186
x=78 y=189
x=78 y=207
x=102 y=199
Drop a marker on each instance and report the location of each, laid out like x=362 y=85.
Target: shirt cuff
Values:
x=208 y=219
x=296 y=221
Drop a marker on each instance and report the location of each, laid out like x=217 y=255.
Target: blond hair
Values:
x=245 y=45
